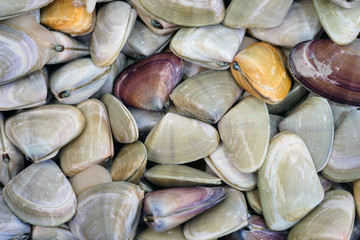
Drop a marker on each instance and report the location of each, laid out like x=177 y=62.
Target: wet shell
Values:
x=108 y=211
x=328 y=70
x=35 y=134
x=130 y=163
x=67 y=49
x=313 y=122
x=187 y=12
x=41 y=195
x=26 y=92
x=172 y=234
x=11 y=159
x=341 y=24
x=300 y=24
x=114 y=23
x=11 y=227
x=78 y=80
x=207 y=95
x=168 y=175
x=221 y=163
x=206 y=46
x=176 y=139
x=11 y=8
x=260 y=70
x=226 y=217
x=94 y=145
x=332 y=219
x=245 y=132
x=168 y=208
x=256 y=13
x=25 y=46
x=344 y=162
x=123 y=124
x=289 y=187
x=63 y=16
x=148 y=83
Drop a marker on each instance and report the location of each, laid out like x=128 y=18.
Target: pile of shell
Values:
x=163 y=113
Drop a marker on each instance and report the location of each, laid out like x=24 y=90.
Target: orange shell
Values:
x=63 y=16
x=262 y=72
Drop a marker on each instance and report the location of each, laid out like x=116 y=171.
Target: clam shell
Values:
x=221 y=163
x=107 y=211
x=191 y=69
x=26 y=92
x=114 y=23
x=11 y=159
x=172 y=108
x=288 y=185
x=207 y=95
x=260 y=70
x=256 y=13
x=332 y=219
x=356 y=188
x=11 y=227
x=50 y=233
x=63 y=16
x=144 y=42
x=90 y=177
x=95 y=143
x=35 y=134
x=172 y=234
x=155 y=24
x=344 y=161
x=313 y=122
x=78 y=80
x=253 y=198
x=10 y=8
x=123 y=124
x=247 y=41
x=274 y=124
x=148 y=83
x=145 y=119
x=41 y=195
x=300 y=24
x=328 y=70
x=226 y=217
x=130 y=163
x=168 y=208
x=179 y=176
x=25 y=46
x=206 y=46
x=176 y=139
x=187 y=12
x=339 y=112
x=341 y=24
x=245 y=132
x=347 y=3
x=67 y=49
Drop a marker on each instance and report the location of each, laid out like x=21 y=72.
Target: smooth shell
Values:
x=253 y=198
x=169 y=175
x=288 y=185
x=11 y=8
x=172 y=234
x=207 y=95
x=245 y=132
x=347 y=3
x=41 y=195
x=107 y=211
x=145 y=119
x=176 y=139
x=313 y=122
x=114 y=23
x=328 y=70
x=35 y=134
x=206 y=46
x=95 y=143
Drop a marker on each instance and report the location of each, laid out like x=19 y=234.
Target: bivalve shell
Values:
x=51 y=233
x=172 y=234
x=347 y=3
x=11 y=8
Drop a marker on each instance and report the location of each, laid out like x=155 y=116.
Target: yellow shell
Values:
x=260 y=70
x=63 y=16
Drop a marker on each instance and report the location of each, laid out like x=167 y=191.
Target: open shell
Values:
x=35 y=134
x=176 y=139
x=41 y=195
x=245 y=132
x=289 y=187
x=94 y=145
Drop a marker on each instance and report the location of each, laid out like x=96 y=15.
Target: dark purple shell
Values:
x=147 y=84
x=327 y=69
